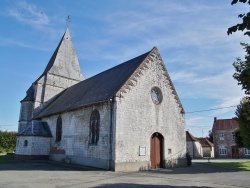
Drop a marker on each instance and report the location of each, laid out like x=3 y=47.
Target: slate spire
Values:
x=64 y=61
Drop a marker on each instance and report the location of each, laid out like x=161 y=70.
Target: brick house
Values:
x=224 y=140
x=127 y=118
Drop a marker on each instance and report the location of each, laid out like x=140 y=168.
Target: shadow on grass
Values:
x=8 y=158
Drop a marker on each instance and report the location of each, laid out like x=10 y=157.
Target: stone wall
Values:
x=33 y=145
x=138 y=118
x=75 y=143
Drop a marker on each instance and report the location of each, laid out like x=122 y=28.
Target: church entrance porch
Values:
x=156 y=150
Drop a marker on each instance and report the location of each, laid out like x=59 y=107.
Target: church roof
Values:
x=37 y=128
x=96 y=89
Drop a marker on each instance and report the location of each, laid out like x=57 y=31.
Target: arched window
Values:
x=59 y=129
x=94 y=127
x=25 y=143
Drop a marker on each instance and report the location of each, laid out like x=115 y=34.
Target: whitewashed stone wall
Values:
x=35 y=146
x=50 y=85
x=194 y=149
x=138 y=118
x=76 y=137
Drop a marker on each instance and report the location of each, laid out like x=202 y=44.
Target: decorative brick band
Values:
x=31 y=157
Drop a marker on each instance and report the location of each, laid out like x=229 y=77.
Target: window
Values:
x=247 y=151
x=59 y=129
x=221 y=135
x=222 y=150
x=233 y=135
x=94 y=127
x=25 y=143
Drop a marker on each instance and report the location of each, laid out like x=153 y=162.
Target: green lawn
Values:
x=240 y=166
x=8 y=158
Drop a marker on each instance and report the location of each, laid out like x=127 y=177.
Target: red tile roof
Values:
x=190 y=137
x=224 y=124
x=205 y=142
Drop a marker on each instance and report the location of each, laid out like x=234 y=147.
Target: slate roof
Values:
x=205 y=142
x=37 y=128
x=29 y=95
x=190 y=137
x=225 y=124
x=96 y=89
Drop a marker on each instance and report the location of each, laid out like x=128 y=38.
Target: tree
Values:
x=243 y=118
x=242 y=70
x=245 y=24
x=210 y=136
x=242 y=75
x=238 y=139
x=7 y=141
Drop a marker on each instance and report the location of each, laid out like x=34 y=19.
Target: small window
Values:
x=222 y=150
x=221 y=135
x=94 y=127
x=247 y=151
x=233 y=135
x=59 y=129
x=25 y=143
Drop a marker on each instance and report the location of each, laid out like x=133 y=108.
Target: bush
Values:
x=189 y=159
x=7 y=141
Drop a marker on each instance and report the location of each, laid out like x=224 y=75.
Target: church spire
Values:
x=64 y=61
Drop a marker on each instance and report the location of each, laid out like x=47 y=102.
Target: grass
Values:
x=239 y=166
x=8 y=158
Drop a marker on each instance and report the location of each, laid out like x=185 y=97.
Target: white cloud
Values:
x=29 y=14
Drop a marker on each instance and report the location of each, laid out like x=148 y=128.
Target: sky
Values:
x=191 y=36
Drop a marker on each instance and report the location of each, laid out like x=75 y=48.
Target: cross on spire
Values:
x=68 y=21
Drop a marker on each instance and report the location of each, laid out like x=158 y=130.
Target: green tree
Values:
x=242 y=70
x=210 y=136
x=7 y=141
x=238 y=139
x=243 y=118
x=242 y=75
x=245 y=24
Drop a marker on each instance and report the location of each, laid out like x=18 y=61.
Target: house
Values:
x=207 y=147
x=224 y=140
x=127 y=118
x=199 y=147
x=193 y=146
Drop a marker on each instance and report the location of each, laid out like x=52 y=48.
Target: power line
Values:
x=211 y=109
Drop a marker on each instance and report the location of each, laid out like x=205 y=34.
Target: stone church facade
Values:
x=127 y=118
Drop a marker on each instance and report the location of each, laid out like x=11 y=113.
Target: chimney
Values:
x=215 y=118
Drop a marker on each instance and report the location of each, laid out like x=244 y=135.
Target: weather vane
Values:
x=68 y=21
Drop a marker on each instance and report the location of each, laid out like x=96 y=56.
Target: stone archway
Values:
x=156 y=150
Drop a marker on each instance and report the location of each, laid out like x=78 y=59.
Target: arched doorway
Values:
x=156 y=150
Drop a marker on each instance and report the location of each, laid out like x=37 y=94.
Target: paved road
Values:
x=50 y=175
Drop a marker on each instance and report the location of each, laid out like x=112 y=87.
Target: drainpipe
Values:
x=111 y=103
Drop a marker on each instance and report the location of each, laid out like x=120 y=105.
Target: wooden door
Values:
x=156 y=150
x=235 y=152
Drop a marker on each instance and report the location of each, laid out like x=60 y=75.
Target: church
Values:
x=127 y=118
